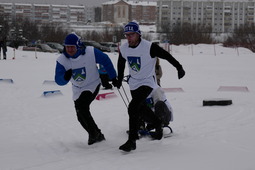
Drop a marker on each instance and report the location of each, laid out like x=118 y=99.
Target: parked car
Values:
x=113 y=47
x=97 y=45
x=40 y=47
x=46 y=48
x=30 y=48
x=56 y=46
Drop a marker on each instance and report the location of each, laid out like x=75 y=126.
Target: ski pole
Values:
x=122 y=98
x=125 y=93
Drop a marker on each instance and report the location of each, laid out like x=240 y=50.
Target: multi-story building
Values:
x=123 y=11
x=59 y=14
x=221 y=15
x=22 y=11
x=41 y=13
x=69 y=15
x=6 y=11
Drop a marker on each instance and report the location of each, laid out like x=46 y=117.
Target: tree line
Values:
x=243 y=36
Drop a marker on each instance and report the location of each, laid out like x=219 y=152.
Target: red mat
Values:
x=173 y=89
x=233 y=88
x=106 y=95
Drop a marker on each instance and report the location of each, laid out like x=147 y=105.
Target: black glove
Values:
x=181 y=73
x=68 y=74
x=116 y=83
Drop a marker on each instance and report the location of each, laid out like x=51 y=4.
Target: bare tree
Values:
x=244 y=36
x=188 y=34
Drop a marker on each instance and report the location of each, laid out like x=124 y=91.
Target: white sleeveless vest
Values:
x=85 y=72
x=141 y=64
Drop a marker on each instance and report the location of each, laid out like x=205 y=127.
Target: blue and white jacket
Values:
x=85 y=76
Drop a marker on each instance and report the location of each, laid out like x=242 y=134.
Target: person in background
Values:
x=78 y=64
x=158 y=71
x=141 y=57
x=3 y=45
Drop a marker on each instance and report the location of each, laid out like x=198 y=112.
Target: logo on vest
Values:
x=79 y=75
x=134 y=63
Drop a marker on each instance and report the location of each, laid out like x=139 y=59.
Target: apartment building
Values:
x=221 y=15
x=123 y=11
x=69 y=15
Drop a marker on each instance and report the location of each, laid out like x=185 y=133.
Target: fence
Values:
x=200 y=49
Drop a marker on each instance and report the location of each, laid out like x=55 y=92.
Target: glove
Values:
x=181 y=73
x=68 y=74
x=116 y=83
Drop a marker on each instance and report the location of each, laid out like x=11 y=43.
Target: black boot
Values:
x=150 y=127
x=98 y=137
x=128 y=146
x=158 y=133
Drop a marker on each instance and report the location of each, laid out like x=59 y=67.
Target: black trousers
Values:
x=138 y=110
x=82 y=106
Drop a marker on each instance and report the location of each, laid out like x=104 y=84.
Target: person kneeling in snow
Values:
x=78 y=64
x=159 y=104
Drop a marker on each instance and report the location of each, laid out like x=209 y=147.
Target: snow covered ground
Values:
x=39 y=133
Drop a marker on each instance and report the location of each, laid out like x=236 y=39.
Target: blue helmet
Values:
x=73 y=39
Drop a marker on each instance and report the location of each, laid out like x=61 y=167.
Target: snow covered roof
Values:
x=76 y=6
x=59 y=5
x=5 y=3
x=136 y=2
x=143 y=3
x=42 y=5
x=21 y=4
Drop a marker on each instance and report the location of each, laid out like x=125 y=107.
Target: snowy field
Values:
x=42 y=133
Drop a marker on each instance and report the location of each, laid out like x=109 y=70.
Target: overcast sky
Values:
x=64 y=2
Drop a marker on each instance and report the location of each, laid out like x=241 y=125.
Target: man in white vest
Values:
x=141 y=57
x=78 y=64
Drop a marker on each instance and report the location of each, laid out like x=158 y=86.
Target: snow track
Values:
x=38 y=133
